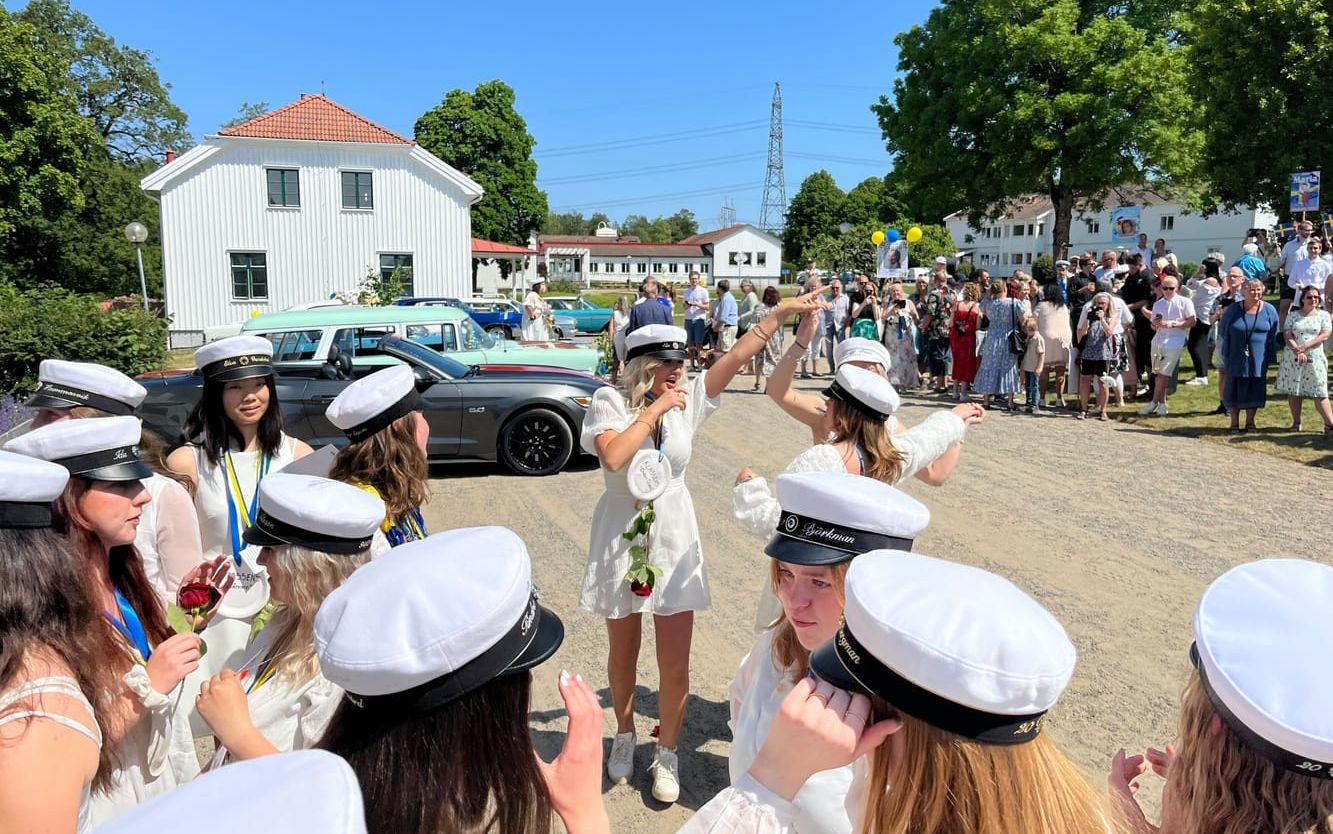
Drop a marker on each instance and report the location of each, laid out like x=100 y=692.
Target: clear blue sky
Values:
x=582 y=77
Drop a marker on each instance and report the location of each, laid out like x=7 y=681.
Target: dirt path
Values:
x=1116 y=529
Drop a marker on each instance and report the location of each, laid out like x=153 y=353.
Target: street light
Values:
x=137 y=233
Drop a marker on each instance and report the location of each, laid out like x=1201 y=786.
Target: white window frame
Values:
x=1167 y=223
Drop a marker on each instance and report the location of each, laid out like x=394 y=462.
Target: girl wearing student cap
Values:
x=643 y=434
x=98 y=513
x=314 y=533
x=536 y=312
x=1255 y=745
x=434 y=648
x=168 y=538
x=56 y=685
x=234 y=438
x=828 y=518
x=381 y=416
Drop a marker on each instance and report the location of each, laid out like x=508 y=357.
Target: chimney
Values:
x=171 y=156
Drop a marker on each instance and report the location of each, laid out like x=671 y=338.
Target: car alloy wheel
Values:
x=499 y=331
x=536 y=442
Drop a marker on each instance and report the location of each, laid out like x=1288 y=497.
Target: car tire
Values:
x=500 y=331
x=536 y=442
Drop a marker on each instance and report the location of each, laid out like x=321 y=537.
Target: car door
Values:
x=442 y=405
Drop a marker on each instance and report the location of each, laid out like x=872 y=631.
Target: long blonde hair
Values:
x=883 y=461
x=789 y=656
x=1219 y=785
x=946 y=784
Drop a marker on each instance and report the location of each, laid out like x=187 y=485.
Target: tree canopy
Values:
x=817 y=209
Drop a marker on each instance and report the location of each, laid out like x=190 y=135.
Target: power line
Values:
x=836 y=128
x=688 y=165
x=629 y=201
x=848 y=160
x=644 y=141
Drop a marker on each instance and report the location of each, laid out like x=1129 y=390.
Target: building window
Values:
x=1168 y=222
x=641 y=267
x=1041 y=229
x=1018 y=230
x=657 y=268
x=1094 y=227
x=673 y=268
x=703 y=268
x=594 y=266
x=402 y=263
x=761 y=259
x=249 y=276
x=358 y=190
x=624 y=266
x=1016 y=258
x=1027 y=256
x=284 y=187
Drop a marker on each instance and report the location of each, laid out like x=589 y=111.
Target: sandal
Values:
x=1294 y=427
x=1082 y=415
x=1103 y=418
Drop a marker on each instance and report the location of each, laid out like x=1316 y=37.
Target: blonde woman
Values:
x=314 y=533
x=657 y=407
x=619 y=325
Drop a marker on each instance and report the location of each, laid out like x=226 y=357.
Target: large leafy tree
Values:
x=1262 y=72
x=482 y=134
x=1067 y=98
x=817 y=209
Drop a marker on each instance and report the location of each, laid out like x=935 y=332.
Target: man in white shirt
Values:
x=1172 y=318
x=1295 y=260
x=1142 y=249
x=696 y=319
x=1106 y=272
x=835 y=323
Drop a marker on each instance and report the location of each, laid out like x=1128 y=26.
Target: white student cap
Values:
x=954 y=646
x=664 y=341
x=318 y=513
x=27 y=488
x=94 y=450
x=865 y=391
x=1063 y=262
x=536 y=279
x=62 y=384
x=1215 y=256
x=829 y=517
x=1261 y=638
x=940 y=259
x=235 y=357
x=860 y=349
x=374 y=402
x=293 y=793
x=433 y=620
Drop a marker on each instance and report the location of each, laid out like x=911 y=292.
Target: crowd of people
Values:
x=357 y=673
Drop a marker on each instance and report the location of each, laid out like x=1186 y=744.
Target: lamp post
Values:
x=137 y=233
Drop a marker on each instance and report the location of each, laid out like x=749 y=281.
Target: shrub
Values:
x=562 y=286
x=1188 y=268
x=1043 y=268
x=50 y=322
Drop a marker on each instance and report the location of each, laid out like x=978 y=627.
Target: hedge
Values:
x=48 y=322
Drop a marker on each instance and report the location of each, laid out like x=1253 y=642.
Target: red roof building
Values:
x=315 y=118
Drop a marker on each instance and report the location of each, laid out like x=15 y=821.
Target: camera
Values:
x=900 y=303
x=1225 y=300
x=857 y=297
x=1095 y=312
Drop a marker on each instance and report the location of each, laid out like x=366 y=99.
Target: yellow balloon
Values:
x=914 y=234
x=877 y=237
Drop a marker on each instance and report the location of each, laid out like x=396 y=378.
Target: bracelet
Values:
x=757 y=329
x=648 y=423
x=801 y=346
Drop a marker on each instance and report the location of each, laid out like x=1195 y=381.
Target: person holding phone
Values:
x=1096 y=350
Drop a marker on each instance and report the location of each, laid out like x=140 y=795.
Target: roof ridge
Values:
x=269 y=125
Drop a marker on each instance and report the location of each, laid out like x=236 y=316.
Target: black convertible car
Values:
x=527 y=417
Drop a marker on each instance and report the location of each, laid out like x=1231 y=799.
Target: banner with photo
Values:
x=1305 y=191
x=1125 y=223
x=891 y=260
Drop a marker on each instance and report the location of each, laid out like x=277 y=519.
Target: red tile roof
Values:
x=712 y=237
x=315 y=118
x=490 y=247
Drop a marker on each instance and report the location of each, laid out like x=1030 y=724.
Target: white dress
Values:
x=535 y=330
x=674 y=544
x=55 y=685
x=756 y=694
x=168 y=539
x=746 y=807
x=618 y=339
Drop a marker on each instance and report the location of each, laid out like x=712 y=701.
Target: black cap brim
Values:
x=797 y=552
x=41 y=400
x=247 y=372
x=133 y=470
x=826 y=665
x=664 y=354
x=550 y=634
x=260 y=538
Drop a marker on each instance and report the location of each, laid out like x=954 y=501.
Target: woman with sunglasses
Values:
x=1304 y=370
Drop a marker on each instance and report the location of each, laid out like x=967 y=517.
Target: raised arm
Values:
x=804 y=408
x=726 y=368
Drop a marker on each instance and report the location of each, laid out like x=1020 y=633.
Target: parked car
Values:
x=527 y=417
x=308 y=336
x=498 y=316
x=588 y=317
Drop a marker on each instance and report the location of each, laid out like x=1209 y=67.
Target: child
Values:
x=1033 y=360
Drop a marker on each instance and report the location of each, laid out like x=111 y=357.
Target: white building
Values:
x=301 y=203
x=1025 y=232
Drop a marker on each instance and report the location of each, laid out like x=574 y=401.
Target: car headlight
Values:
x=582 y=402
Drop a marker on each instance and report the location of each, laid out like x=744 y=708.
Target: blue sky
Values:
x=583 y=77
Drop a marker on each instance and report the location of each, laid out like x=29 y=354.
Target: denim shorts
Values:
x=696 y=331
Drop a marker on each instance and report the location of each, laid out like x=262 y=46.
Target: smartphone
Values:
x=900 y=303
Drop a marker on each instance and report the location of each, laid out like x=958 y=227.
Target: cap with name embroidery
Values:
x=1261 y=638
x=317 y=513
x=433 y=620
x=830 y=517
x=866 y=391
x=27 y=488
x=235 y=357
x=293 y=793
x=374 y=402
x=62 y=384
x=957 y=647
x=860 y=349
x=664 y=341
x=105 y=449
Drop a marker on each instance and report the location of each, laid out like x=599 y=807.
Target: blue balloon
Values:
x=892 y=235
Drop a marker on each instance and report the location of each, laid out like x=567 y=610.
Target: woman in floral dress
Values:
x=1304 y=369
x=900 y=317
x=771 y=355
x=998 y=373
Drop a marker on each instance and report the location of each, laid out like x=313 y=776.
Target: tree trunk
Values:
x=1062 y=201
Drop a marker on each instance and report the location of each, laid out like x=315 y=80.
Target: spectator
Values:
x=900 y=318
x=1172 y=318
x=810 y=358
x=935 y=317
x=1304 y=369
x=1096 y=350
x=619 y=326
x=1232 y=291
x=963 y=340
x=1110 y=260
x=919 y=299
x=1034 y=355
x=1122 y=363
x=1142 y=250
x=1250 y=263
x=1018 y=287
x=1205 y=288
x=1295 y=259
x=1137 y=295
x=748 y=304
x=1249 y=332
x=767 y=359
x=982 y=277
x=667 y=298
x=803 y=277
x=864 y=317
x=696 y=319
x=1317 y=268
x=1087 y=265
x=1062 y=275
x=836 y=320
x=1052 y=315
x=1159 y=250
x=726 y=318
x=997 y=373
x=648 y=309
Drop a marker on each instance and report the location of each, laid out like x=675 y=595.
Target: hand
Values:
x=671 y=398
x=970 y=413
x=222 y=703
x=1122 y=780
x=574 y=779
x=1160 y=760
x=807 y=329
x=217 y=572
x=1301 y=357
x=818 y=727
x=802 y=304
x=172 y=660
x=746 y=474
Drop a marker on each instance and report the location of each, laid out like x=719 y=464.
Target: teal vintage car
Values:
x=310 y=337
x=588 y=317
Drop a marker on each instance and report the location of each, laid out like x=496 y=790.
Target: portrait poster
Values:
x=1125 y=224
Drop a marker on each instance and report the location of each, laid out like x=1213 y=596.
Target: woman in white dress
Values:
x=536 y=312
x=235 y=438
x=656 y=408
x=314 y=533
x=619 y=321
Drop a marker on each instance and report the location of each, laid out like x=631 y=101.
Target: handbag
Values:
x=1018 y=343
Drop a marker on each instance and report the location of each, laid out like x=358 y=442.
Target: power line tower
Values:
x=727 y=217
x=772 y=214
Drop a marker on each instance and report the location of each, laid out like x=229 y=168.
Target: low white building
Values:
x=1025 y=232
x=301 y=203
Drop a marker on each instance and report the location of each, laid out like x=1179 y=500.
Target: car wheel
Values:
x=536 y=442
x=499 y=331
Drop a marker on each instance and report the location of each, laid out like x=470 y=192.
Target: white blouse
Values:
x=168 y=539
x=746 y=807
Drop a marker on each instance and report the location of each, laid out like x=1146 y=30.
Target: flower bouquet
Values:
x=642 y=574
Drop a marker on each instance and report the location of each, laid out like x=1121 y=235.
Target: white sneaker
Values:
x=1161 y=409
x=620 y=764
x=666 y=775
x=1150 y=408
x=1197 y=381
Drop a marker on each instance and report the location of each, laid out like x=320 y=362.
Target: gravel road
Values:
x=1116 y=529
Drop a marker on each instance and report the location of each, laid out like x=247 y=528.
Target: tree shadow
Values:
x=1316 y=448
x=481 y=469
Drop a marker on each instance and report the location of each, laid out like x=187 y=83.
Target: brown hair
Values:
x=1219 y=785
x=391 y=461
x=789 y=655
x=971 y=291
x=874 y=438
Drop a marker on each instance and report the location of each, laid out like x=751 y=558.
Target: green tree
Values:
x=682 y=225
x=481 y=132
x=816 y=209
x=246 y=112
x=1067 y=98
x=871 y=201
x=935 y=241
x=566 y=223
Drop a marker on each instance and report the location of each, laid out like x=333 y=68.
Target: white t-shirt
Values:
x=1173 y=309
x=1123 y=317
x=1294 y=256
x=696 y=295
x=1316 y=272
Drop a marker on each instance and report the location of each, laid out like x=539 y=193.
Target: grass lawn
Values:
x=179 y=360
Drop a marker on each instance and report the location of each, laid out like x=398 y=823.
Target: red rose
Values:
x=640 y=589
x=197 y=595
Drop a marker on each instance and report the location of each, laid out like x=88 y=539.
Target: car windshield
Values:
x=416 y=354
x=473 y=337
x=588 y=305
x=560 y=304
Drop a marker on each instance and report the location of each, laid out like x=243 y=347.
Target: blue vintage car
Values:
x=588 y=317
x=498 y=316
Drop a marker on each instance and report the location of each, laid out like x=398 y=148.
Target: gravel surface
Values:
x=1115 y=528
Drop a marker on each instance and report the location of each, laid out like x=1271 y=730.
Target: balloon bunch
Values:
x=893 y=235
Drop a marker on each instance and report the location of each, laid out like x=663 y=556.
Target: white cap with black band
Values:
x=235 y=357
x=866 y=391
x=316 y=513
x=830 y=517
x=374 y=402
x=106 y=449
x=27 y=488
x=861 y=349
x=62 y=384
x=662 y=341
